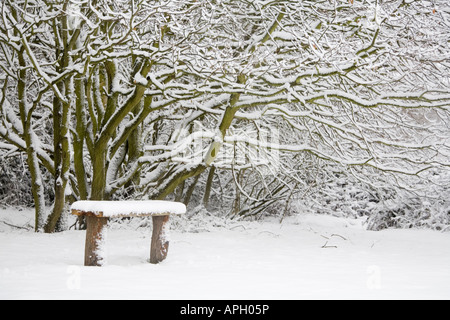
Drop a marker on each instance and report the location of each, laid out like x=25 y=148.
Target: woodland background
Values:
x=246 y=108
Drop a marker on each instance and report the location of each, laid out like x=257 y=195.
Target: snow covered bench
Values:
x=97 y=214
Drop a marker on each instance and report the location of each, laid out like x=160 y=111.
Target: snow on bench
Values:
x=97 y=214
x=117 y=209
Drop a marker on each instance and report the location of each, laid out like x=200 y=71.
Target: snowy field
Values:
x=305 y=257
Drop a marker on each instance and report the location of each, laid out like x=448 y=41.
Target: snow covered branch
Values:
x=137 y=98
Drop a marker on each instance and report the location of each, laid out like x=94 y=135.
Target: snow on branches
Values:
x=134 y=99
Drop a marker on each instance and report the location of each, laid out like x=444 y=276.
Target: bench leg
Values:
x=160 y=241
x=94 y=254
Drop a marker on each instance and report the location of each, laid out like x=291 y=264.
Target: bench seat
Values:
x=98 y=213
x=120 y=209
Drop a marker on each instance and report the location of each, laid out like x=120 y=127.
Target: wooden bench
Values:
x=98 y=213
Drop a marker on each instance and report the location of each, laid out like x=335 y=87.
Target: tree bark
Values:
x=208 y=187
x=79 y=137
x=61 y=141
x=99 y=173
x=37 y=188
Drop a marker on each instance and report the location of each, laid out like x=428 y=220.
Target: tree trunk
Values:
x=62 y=161
x=37 y=188
x=208 y=187
x=99 y=173
x=78 y=141
x=61 y=118
x=190 y=190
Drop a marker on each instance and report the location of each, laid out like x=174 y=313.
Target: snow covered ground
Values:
x=305 y=257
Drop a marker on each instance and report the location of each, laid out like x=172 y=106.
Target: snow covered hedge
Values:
x=15 y=183
x=424 y=204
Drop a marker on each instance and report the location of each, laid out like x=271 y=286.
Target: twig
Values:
x=338 y=235
x=241 y=226
x=325 y=246
x=14 y=226
x=265 y=231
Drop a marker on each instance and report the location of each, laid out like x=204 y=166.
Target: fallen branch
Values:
x=14 y=226
x=337 y=235
x=325 y=246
